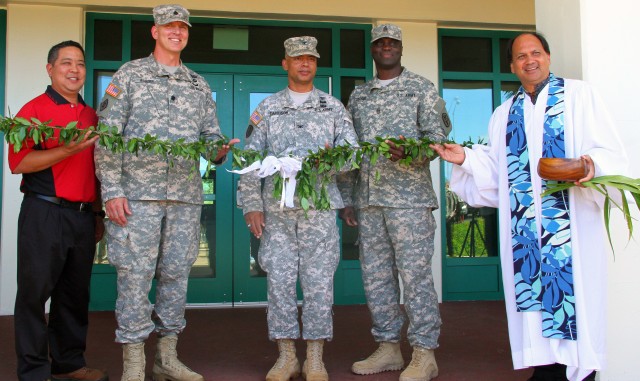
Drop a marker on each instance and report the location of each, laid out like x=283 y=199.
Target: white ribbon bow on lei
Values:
x=288 y=168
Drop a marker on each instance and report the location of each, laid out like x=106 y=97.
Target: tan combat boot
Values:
x=313 y=367
x=423 y=366
x=386 y=357
x=133 y=362
x=287 y=366
x=167 y=367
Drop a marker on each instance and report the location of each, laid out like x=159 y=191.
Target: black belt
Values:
x=80 y=206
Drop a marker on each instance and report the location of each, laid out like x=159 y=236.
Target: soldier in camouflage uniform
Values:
x=394 y=213
x=290 y=123
x=154 y=203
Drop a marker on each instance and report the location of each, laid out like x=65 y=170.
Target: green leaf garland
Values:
x=317 y=168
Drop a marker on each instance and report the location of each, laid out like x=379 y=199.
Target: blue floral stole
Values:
x=543 y=272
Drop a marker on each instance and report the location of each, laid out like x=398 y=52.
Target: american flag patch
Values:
x=256 y=118
x=113 y=90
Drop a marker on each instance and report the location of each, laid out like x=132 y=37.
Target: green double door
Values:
x=227 y=271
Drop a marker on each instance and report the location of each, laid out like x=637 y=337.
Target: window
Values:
x=228 y=46
x=474 y=79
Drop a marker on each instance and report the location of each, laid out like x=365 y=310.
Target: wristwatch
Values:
x=100 y=213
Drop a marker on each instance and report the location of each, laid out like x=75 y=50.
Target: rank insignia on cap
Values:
x=256 y=118
x=113 y=90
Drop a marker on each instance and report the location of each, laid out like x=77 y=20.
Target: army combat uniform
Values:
x=165 y=195
x=395 y=220
x=293 y=244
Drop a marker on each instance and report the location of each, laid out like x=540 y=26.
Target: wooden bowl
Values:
x=562 y=169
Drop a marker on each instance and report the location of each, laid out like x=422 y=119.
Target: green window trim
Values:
x=473 y=278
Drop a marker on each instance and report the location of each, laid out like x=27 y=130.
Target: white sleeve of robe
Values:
x=482 y=181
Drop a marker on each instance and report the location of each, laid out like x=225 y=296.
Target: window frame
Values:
x=496 y=77
x=335 y=71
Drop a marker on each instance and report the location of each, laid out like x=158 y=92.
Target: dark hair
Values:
x=539 y=36
x=53 y=52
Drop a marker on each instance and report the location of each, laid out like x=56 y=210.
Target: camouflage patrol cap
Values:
x=299 y=46
x=166 y=13
x=386 y=30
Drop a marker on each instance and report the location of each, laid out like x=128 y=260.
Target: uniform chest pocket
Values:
x=144 y=95
x=281 y=137
x=189 y=103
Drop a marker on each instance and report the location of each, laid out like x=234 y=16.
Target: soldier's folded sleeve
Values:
x=433 y=119
x=345 y=134
x=113 y=111
x=249 y=192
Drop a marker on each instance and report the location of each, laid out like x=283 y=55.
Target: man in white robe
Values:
x=481 y=179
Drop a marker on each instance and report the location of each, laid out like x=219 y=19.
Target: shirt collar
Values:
x=377 y=85
x=159 y=71
x=537 y=89
x=312 y=102
x=59 y=99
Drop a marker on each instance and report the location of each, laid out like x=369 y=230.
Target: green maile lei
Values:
x=317 y=168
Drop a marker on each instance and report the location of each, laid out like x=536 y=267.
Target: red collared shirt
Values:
x=72 y=178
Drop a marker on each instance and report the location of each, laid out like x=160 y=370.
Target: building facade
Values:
x=237 y=47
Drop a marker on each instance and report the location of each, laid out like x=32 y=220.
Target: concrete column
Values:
x=31 y=31
x=594 y=40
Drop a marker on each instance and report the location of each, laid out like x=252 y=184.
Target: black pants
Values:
x=55 y=254
x=554 y=372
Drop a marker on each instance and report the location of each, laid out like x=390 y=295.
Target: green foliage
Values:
x=602 y=184
x=318 y=167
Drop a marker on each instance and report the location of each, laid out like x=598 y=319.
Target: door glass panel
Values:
x=470 y=232
x=466 y=54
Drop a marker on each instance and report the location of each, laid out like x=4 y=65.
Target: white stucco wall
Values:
x=593 y=38
x=31 y=31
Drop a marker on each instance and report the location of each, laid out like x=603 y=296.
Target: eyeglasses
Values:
x=387 y=42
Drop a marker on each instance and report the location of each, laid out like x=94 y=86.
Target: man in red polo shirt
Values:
x=59 y=224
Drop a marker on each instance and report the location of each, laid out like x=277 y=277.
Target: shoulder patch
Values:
x=256 y=117
x=249 y=131
x=104 y=104
x=113 y=90
x=445 y=119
